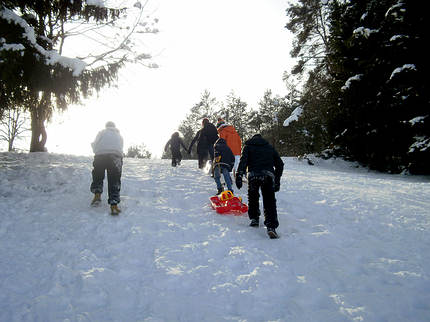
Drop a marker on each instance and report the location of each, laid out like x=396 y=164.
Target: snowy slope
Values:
x=354 y=246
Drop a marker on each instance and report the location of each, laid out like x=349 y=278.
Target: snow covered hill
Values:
x=354 y=246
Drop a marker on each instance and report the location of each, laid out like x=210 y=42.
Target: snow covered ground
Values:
x=354 y=246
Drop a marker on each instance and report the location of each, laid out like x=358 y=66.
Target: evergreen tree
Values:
x=235 y=112
x=205 y=108
x=383 y=100
x=34 y=72
x=365 y=92
x=270 y=117
x=309 y=22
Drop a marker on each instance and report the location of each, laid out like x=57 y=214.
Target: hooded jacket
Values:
x=205 y=137
x=175 y=143
x=223 y=154
x=258 y=157
x=230 y=135
x=108 y=141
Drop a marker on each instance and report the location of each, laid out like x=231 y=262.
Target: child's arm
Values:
x=183 y=145
x=194 y=140
x=167 y=145
x=243 y=163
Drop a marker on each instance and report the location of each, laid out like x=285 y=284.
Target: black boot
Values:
x=272 y=233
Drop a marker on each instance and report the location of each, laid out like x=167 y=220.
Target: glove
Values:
x=238 y=182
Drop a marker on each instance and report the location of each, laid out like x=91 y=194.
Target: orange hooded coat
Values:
x=228 y=133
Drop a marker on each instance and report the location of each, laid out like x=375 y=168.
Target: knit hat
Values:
x=110 y=124
x=220 y=122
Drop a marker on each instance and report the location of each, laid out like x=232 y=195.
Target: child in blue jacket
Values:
x=223 y=164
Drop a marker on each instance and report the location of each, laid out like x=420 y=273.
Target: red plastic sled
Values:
x=226 y=203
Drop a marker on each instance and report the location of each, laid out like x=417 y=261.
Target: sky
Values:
x=221 y=46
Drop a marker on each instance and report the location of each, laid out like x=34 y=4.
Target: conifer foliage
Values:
x=372 y=98
x=51 y=56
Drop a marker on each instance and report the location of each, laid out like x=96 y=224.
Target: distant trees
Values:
x=35 y=36
x=267 y=119
x=139 y=152
x=206 y=107
x=235 y=112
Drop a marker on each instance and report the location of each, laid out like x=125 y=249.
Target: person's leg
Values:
x=202 y=160
x=217 y=178
x=253 y=199
x=98 y=174
x=269 y=204
x=114 y=179
x=211 y=151
x=227 y=178
x=179 y=158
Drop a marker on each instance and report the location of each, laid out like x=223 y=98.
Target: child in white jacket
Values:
x=108 y=154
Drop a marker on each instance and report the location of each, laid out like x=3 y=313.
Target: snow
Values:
x=422 y=143
x=350 y=80
x=405 y=67
x=393 y=11
x=52 y=57
x=417 y=120
x=365 y=32
x=398 y=37
x=13 y=47
x=294 y=116
x=97 y=3
x=354 y=246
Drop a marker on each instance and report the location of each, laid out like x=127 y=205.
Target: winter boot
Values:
x=272 y=233
x=96 y=200
x=220 y=190
x=254 y=223
x=114 y=209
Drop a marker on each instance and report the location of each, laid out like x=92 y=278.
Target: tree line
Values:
x=267 y=119
x=358 y=89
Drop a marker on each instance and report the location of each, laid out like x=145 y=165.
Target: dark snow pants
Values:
x=269 y=201
x=112 y=163
x=204 y=154
x=176 y=158
x=202 y=158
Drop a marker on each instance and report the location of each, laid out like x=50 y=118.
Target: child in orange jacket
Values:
x=230 y=135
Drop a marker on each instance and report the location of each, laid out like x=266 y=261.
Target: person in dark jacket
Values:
x=205 y=138
x=175 y=143
x=223 y=164
x=264 y=167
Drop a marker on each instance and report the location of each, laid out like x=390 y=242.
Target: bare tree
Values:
x=12 y=126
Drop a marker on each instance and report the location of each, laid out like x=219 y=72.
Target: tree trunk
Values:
x=38 y=131
x=10 y=147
